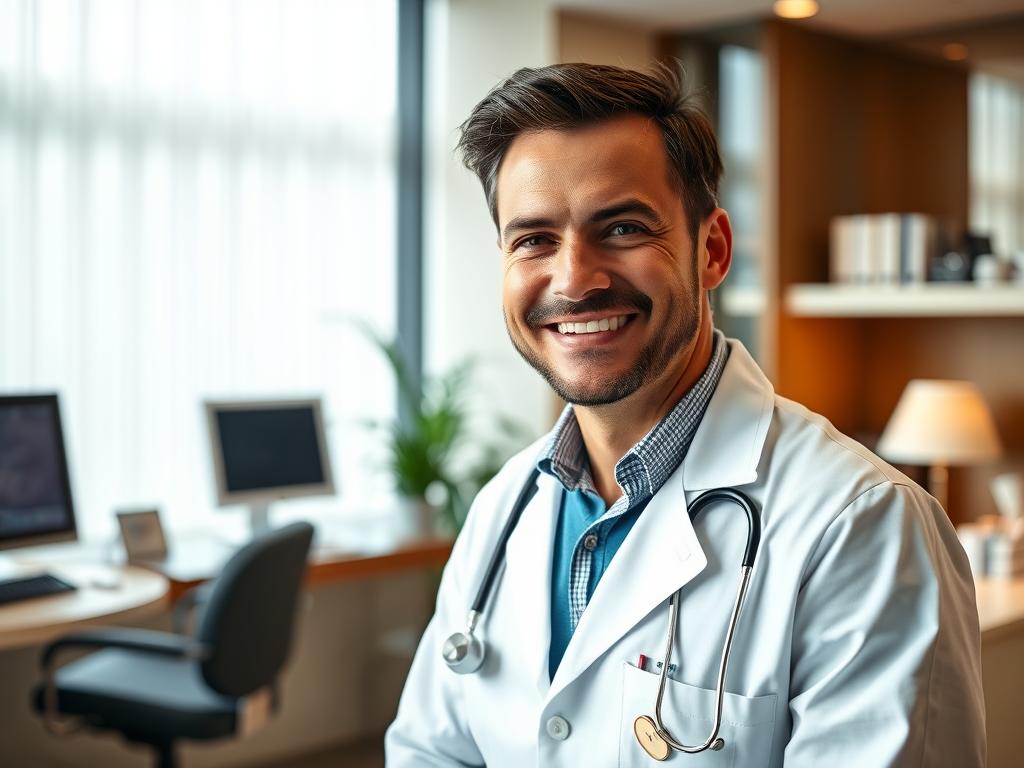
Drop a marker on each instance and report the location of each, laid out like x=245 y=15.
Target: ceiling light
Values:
x=955 y=51
x=795 y=9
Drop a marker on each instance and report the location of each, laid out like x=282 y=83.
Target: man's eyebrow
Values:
x=632 y=205
x=526 y=222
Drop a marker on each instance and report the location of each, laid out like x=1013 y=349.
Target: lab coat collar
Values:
x=662 y=554
x=729 y=442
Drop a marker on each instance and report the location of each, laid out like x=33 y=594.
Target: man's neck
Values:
x=609 y=431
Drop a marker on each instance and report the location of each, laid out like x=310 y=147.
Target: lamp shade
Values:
x=940 y=422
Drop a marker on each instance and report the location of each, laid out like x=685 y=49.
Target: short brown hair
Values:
x=565 y=96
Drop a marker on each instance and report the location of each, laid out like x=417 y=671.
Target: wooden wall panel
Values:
x=815 y=112
x=864 y=129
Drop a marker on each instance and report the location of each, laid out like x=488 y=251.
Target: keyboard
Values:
x=29 y=587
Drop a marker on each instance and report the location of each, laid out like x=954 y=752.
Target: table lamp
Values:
x=940 y=423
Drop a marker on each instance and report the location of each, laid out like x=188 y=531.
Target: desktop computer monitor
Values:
x=268 y=450
x=35 y=489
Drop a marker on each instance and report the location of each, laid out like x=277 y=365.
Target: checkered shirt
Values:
x=640 y=473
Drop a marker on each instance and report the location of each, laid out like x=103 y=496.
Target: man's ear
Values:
x=716 y=251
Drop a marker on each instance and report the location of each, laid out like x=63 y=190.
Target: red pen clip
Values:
x=641 y=663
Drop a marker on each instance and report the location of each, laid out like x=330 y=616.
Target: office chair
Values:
x=156 y=688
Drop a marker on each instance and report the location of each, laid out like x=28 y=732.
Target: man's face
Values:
x=601 y=291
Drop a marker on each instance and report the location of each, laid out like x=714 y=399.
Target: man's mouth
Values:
x=593 y=326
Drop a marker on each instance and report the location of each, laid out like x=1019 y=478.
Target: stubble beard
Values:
x=655 y=357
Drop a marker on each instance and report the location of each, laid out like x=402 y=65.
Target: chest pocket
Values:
x=748 y=723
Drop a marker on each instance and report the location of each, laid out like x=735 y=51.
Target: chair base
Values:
x=166 y=755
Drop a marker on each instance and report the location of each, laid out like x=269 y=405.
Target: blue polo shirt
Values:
x=588 y=534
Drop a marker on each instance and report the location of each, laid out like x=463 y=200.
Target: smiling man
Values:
x=599 y=603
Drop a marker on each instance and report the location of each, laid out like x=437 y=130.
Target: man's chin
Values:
x=587 y=392
x=587 y=381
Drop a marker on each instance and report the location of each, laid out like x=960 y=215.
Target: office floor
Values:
x=368 y=753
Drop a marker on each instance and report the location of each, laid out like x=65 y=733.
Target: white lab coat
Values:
x=858 y=644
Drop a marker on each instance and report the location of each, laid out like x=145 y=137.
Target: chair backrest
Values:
x=248 y=619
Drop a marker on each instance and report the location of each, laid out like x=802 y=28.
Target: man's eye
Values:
x=620 y=230
x=534 y=241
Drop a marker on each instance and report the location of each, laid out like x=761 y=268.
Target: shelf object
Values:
x=923 y=300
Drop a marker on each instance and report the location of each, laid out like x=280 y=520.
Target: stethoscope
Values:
x=464 y=652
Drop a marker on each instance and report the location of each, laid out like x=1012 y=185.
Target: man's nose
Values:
x=579 y=268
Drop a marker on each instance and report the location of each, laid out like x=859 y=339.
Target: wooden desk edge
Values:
x=424 y=553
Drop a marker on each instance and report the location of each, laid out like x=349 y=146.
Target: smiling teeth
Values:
x=594 y=326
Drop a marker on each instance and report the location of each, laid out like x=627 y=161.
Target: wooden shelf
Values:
x=925 y=300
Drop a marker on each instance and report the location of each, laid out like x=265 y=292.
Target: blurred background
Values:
x=237 y=199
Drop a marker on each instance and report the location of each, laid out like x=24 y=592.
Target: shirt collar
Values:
x=647 y=465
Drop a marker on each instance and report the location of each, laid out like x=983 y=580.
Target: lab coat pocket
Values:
x=688 y=712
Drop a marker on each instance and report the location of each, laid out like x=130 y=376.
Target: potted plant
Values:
x=421 y=449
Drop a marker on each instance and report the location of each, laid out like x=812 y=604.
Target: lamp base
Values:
x=938 y=484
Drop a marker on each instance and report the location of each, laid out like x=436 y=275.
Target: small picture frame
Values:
x=142 y=534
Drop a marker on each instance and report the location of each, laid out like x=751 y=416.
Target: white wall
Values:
x=598 y=40
x=471 y=46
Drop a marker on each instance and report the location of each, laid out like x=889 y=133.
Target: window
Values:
x=997 y=161
x=195 y=196
x=740 y=132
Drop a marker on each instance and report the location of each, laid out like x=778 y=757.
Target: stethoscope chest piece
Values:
x=649 y=738
x=463 y=652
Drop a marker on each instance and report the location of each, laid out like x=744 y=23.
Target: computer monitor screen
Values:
x=268 y=450
x=35 y=491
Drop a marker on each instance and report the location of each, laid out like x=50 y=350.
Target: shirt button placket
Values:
x=590 y=542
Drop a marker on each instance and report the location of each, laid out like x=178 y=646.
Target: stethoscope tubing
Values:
x=702 y=502
x=713 y=742
x=526 y=494
x=467 y=651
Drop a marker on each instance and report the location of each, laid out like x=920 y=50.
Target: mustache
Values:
x=545 y=311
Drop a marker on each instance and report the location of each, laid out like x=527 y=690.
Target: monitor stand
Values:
x=259 y=518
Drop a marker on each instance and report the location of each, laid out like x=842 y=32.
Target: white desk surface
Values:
x=1000 y=606
x=105 y=594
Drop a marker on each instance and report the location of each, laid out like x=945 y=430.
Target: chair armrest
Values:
x=149 y=641
x=193 y=598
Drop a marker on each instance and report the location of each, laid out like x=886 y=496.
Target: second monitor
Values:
x=268 y=450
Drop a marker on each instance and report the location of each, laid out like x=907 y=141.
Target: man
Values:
x=858 y=643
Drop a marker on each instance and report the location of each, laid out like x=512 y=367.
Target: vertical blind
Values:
x=997 y=161
x=194 y=196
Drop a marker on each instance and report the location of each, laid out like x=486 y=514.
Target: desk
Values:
x=129 y=594
x=1001 y=616
x=196 y=557
x=1000 y=607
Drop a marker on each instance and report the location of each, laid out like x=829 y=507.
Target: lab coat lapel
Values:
x=662 y=554
x=528 y=562
x=659 y=556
